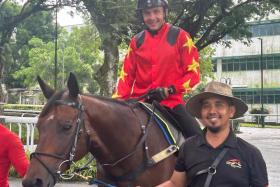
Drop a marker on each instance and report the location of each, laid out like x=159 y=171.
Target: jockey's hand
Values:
x=159 y=94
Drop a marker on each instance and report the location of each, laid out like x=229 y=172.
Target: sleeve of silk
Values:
x=17 y=155
x=190 y=63
x=126 y=75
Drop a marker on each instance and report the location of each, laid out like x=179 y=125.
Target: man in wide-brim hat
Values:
x=232 y=161
x=216 y=89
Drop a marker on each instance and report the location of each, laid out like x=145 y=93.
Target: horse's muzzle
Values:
x=36 y=182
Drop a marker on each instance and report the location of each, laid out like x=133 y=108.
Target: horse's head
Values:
x=62 y=136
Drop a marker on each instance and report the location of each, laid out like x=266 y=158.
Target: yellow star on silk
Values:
x=194 y=66
x=122 y=73
x=115 y=95
x=186 y=85
x=189 y=44
x=128 y=51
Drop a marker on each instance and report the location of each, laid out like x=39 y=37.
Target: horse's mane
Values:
x=59 y=94
x=108 y=99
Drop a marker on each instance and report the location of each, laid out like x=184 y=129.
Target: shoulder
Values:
x=249 y=150
x=7 y=135
x=246 y=145
x=4 y=131
x=181 y=32
x=138 y=39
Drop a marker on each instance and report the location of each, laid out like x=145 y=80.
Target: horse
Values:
x=120 y=135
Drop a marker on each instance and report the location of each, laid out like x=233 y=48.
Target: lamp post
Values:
x=55 y=48
x=261 y=66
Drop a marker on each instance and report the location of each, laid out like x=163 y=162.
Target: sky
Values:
x=64 y=18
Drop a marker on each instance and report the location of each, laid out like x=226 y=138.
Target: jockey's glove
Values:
x=159 y=94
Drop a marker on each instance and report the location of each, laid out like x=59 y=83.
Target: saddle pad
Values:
x=172 y=135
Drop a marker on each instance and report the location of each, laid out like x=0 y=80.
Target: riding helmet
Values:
x=144 y=4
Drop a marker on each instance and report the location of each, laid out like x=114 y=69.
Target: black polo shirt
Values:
x=242 y=166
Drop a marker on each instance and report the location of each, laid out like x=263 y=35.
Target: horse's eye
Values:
x=67 y=126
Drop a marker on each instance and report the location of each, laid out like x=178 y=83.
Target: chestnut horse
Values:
x=121 y=136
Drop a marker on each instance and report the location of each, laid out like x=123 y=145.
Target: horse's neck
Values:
x=115 y=127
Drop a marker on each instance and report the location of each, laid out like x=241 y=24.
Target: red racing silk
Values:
x=11 y=154
x=157 y=63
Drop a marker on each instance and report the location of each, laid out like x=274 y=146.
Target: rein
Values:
x=58 y=172
x=147 y=161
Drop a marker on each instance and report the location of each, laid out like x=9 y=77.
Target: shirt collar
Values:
x=231 y=140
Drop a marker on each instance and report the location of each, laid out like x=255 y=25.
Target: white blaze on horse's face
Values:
x=50 y=118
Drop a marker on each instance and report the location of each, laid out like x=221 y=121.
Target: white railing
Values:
x=269 y=118
x=29 y=122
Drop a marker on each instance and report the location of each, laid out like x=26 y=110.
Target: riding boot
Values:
x=187 y=122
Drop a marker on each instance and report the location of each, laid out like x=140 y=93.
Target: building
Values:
x=243 y=66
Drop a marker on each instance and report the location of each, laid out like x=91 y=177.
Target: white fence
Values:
x=269 y=118
x=29 y=123
x=20 y=122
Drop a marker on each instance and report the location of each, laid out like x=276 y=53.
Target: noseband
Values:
x=36 y=155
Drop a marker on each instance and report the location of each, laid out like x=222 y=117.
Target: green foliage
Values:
x=259 y=118
x=112 y=18
x=38 y=25
x=254 y=125
x=259 y=111
x=90 y=172
x=77 y=52
x=8 y=9
x=206 y=70
x=210 y=21
x=205 y=62
x=23 y=107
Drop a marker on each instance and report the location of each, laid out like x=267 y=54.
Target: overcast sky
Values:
x=65 y=19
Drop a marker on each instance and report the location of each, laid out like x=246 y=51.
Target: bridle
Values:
x=147 y=162
x=58 y=173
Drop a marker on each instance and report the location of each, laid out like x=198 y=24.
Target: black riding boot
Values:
x=187 y=122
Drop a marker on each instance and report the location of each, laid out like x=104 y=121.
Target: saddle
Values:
x=166 y=122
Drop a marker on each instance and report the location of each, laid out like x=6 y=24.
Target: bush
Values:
x=90 y=172
x=258 y=118
x=23 y=107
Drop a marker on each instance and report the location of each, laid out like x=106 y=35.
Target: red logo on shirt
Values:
x=235 y=163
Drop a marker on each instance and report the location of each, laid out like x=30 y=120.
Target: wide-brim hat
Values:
x=213 y=89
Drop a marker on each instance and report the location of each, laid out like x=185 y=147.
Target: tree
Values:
x=111 y=18
x=208 y=21
x=211 y=20
x=77 y=52
x=11 y=15
x=39 y=25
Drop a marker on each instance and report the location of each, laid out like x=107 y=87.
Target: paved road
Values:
x=267 y=140
x=17 y=183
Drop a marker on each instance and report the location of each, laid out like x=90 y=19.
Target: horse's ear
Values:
x=73 y=85
x=46 y=89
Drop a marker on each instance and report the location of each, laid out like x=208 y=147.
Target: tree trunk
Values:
x=107 y=74
x=4 y=40
x=1 y=74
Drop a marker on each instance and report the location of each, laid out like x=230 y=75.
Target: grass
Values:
x=276 y=126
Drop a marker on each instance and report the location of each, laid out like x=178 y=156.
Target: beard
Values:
x=214 y=129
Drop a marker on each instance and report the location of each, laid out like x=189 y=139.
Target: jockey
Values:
x=163 y=60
